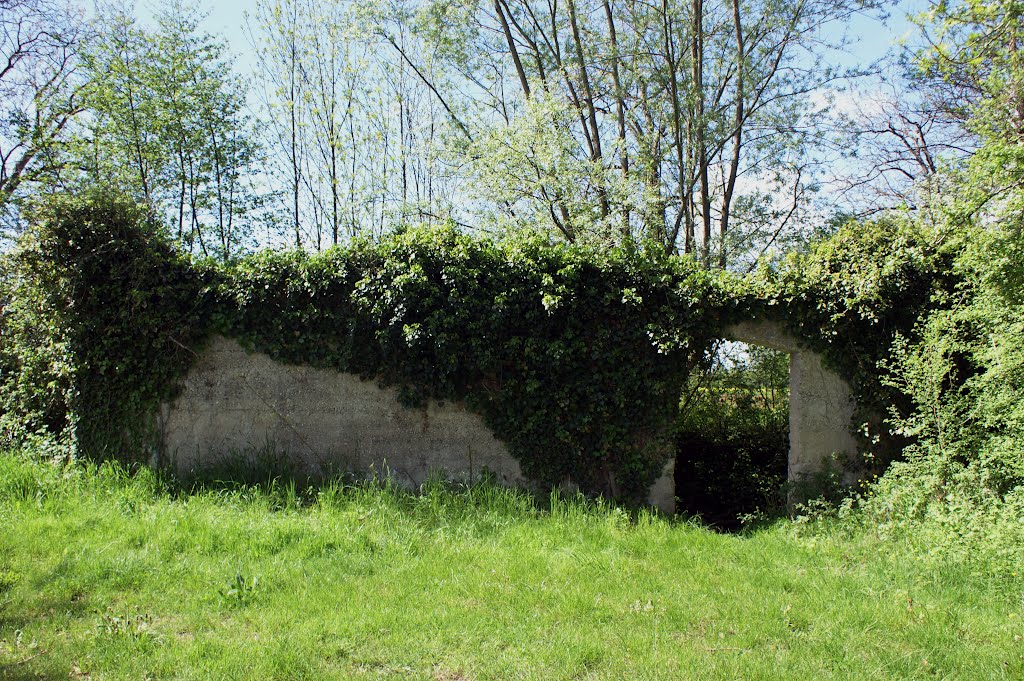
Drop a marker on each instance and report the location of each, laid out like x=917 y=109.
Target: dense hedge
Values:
x=574 y=356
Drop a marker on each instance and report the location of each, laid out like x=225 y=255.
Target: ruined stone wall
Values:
x=234 y=404
x=238 y=405
x=821 y=407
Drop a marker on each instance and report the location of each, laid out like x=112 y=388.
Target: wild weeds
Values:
x=239 y=591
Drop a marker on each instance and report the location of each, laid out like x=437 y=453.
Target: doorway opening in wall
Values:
x=732 y=437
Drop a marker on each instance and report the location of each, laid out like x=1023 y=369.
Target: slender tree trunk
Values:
x=353 y=218
x=402 y=152
x=384 y=179
x=620 y=114
x=737 y=136
x=181 y=196
x=685 y=214
x=596 y=155
x=219 y=185
x=137 y=134
x=513 y=50
x=197 y=227
x=697 y=57
x=293 y=94
x=335 y=200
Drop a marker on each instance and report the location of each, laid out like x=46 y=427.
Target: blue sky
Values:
x=871 y=36
x=225 y=18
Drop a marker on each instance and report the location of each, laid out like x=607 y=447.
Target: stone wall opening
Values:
x=732 y=435
x=821 y=405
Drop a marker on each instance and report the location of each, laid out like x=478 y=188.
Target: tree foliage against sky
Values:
x=690 y=123
x=354 y=134
x=39 y=89
x=703 y=125
x=695 y=120
x=168 y=124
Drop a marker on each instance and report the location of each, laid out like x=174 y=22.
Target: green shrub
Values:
x=102 y=321
x=961 y=483
x=36 y=366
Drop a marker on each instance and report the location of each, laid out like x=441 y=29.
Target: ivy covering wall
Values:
x=574 y=356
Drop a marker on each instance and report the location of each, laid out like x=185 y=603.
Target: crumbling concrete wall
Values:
x=821 y=407
x=237 y=404
x=234 y=404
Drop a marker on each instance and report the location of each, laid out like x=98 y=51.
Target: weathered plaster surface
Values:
x=662 y=494
x=238 y=404
x=821 y=407
x=234 y=403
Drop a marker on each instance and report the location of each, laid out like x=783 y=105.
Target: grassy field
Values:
x=103 y=575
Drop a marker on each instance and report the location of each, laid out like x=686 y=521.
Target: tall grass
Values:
x=106 y=574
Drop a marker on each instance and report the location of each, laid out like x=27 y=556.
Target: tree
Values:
x=972 y=70
x=964 y=371
x=168 y=125
x=123 y=148
x=278 y=52
x=214 y=142
x=971 y=64
x=355 y=129
x=690 y=123
x=40 y=86
x=897 y=148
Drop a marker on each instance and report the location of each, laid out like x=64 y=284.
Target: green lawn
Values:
x=105 y=576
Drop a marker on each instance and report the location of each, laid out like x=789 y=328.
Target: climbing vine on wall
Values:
x=573 y=355
x=850 y=296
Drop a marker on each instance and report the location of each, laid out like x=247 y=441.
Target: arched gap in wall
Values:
x=733 y=436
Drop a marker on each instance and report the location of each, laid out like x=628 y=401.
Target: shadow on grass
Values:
x=34 y=667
